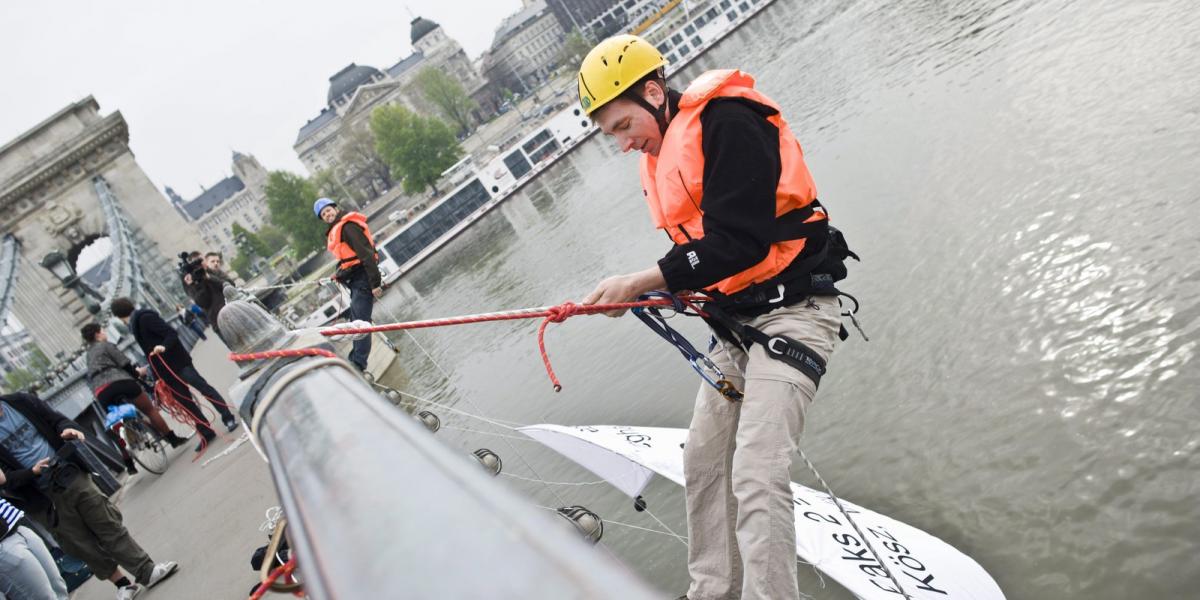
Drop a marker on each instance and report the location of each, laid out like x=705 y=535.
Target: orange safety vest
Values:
x=341 y=250
x=673 y=182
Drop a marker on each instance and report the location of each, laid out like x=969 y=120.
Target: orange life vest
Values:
x=673 y=182
x=341 y=250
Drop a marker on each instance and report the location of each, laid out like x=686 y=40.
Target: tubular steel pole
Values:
x=377 y=507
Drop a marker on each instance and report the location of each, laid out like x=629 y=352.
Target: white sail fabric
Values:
x=926 y=566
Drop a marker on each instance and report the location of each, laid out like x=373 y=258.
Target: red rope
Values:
x=276 y=573
x=235 y=357
x=548 y=314
x=167 y=395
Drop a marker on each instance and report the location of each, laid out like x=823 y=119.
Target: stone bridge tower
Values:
x=52 y=178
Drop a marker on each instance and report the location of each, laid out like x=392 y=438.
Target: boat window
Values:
x=689 y=30
x=436 y=222
x=712 y=13
x=677 y=39
x=700 y=21
x=743 y=7
x=725 y=4
x=536 y=141
x=731 y=15
x=517 y=165
x=683 y=50
x=697 y=42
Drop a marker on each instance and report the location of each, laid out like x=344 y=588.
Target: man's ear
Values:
x=654 y=93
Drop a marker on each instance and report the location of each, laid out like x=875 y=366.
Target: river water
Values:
x=1020 y=179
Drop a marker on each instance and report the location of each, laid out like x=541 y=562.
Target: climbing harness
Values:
x=708 y=370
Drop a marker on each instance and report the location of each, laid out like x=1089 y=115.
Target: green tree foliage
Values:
x=418 y=149
x=290 y=198
x=248 y=242
x=575 y=47
x=273 y=237
x=20 y=379
x=448 y=96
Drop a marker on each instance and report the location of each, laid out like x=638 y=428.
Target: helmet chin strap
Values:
x=659 y=112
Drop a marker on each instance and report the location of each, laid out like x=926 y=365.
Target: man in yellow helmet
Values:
x=725 y=178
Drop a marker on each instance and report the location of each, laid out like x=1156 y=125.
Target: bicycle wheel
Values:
x=145 y=445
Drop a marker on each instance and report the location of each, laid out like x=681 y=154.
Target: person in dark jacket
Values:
x=114 y=380
x=172 y=363
x=349 y=241
x=60 y=494
x=207 y=288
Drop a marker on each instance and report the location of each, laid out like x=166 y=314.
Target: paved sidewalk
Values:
x=206 y=518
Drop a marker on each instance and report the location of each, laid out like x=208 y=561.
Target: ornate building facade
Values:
x=338 y=138
x=240 y=198
x=526 y=49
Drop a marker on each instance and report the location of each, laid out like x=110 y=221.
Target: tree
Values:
x=290 y=198
x=20 y=379
x=575 y=47
x=273 y=237
x=359 y=157
x=418 y=149
x=248 y=242
x=448 y=96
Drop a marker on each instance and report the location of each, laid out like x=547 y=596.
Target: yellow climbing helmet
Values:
x=613 y=66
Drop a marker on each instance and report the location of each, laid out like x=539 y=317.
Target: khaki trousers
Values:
x=741 y=521
x=89 y=528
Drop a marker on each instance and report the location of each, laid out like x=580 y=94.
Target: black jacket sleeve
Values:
x=47 y=421
x=741 y=172
x=354 y=237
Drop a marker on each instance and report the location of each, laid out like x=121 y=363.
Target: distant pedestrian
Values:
x=189 y=318
x=27 y=569
x=349 y=241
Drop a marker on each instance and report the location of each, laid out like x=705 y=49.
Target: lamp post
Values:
x=58 y=264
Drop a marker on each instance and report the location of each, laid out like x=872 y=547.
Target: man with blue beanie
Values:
x=349 y=241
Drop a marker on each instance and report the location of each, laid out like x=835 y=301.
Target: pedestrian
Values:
x=113 y=380
x=189 y=318
x=725 y=178
x=27 y=570
x=58 y=493
x=172 y=364
x=349 y=241
x=204 y=282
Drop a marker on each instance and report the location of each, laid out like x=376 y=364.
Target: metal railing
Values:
x=377 y=507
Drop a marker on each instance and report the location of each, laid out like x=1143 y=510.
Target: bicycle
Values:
x=144 y=444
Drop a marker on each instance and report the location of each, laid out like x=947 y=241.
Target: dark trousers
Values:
x=183 y=395
x=90 y=528
x=361 y=304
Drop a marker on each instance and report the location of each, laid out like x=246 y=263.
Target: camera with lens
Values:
x=191 y=266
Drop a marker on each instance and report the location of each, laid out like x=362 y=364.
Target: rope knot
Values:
x=560 y=313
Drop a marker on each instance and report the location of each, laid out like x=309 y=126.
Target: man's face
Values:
x=329 y=214
x=632 y=126
x=213 y=263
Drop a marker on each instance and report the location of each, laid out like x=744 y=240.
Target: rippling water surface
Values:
x=1020 y=179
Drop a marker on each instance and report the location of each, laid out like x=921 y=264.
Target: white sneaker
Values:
x=129 y=592
x=162 y=571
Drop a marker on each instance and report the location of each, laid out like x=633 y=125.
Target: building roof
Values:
x=514 y=22
x=327 y=115
x=405 y=64
x=213 y=197
x=421 y=27
x=344 y=82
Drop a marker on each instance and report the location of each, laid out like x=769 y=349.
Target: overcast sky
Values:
x=196 y=80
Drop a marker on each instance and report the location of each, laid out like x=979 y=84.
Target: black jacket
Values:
x=208 y=293
x=151 y=330
x=741 y=171
x=20 y=488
